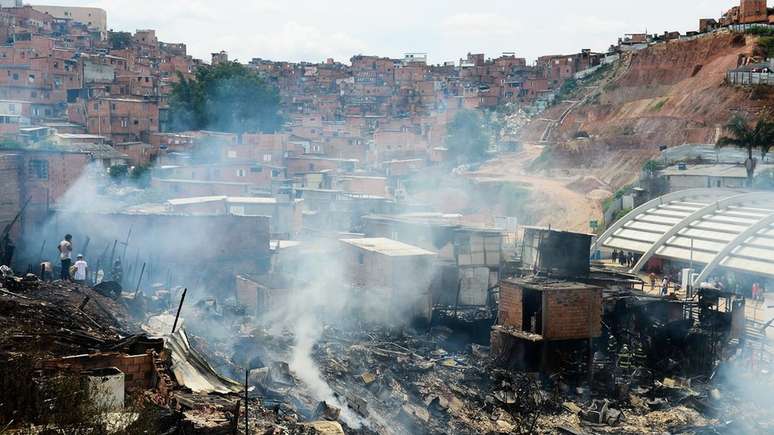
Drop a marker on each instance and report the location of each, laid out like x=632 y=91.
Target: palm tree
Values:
x=749 y=138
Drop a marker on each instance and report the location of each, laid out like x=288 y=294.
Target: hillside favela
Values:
x=301 y=218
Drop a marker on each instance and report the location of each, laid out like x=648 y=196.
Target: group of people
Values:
x=627 y=259
x=77 y=271
x=664 y=285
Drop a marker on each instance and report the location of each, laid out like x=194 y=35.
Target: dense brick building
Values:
x=40 y=176
x=748 y=12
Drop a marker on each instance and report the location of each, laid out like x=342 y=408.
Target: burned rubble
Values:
x=639 y=376
x=309 y=343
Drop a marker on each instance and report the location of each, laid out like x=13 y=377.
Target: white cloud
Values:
x=293 y=41
x=446 y=29
x=478 y=24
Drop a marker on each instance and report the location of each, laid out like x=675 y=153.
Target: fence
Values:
x=750 y=78
x=745 y=27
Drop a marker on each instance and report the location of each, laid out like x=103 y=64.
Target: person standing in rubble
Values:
x=665 y=285
x=81 y=270
x=615 y=256
x=117 y=273
x=652 y=277
x=65 y=251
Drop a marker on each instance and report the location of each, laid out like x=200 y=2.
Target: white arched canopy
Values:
x=713 y=228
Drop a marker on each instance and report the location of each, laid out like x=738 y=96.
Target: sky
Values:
x=314 y=30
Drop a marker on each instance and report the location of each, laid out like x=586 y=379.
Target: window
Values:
x=231 y=154
x=38 y=169
x=241 y=173
x=31 y=78
x=12 y=108
x=16 y=76
x=256 y=169
x=124 y=122
x=275 y=173
x=360 y=259
x=267 y=157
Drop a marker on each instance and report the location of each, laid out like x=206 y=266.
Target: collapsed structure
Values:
x=398 y=346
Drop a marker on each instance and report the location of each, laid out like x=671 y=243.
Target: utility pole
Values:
x=139 y=280
x=689 y=290
x=179 y=308
x=247 y=375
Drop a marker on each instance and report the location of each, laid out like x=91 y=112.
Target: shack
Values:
x=391 y=278
x=540 y=318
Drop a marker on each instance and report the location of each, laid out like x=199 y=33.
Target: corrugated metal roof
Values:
x=728 y=229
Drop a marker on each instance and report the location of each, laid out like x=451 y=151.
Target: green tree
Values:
x=141 y=175
x=119 y=40
x=750 y=138
x=468 y=136
x=227 y=97
x=118 y=173
x=651 y=167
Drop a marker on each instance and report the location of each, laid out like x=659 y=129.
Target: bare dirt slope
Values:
x=553 y=200
x=669 y=94
x=581 y=150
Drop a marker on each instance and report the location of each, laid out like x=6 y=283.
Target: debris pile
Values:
x=58 y=319
x=637 y=378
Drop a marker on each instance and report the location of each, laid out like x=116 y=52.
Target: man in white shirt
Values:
x=65 y=251
x=81 y=270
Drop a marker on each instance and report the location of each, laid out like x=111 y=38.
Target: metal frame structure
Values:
x=754 y=209
x=738 y=241
x=662 y=200
x=697 y=215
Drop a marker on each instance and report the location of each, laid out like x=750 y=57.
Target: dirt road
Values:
x=555 y=203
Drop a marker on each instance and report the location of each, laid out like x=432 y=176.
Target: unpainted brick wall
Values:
x=511 y=305
x=10 y=189
x=572 y=314
x=139 y=370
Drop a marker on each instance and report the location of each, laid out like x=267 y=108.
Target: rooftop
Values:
x=716 y=228
x=227 y=199
x=720 y=170
x=543 y=284
x=388 y=247
x=196 y=200
x=79 y=136
x=99 y=151
x=178 y=180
